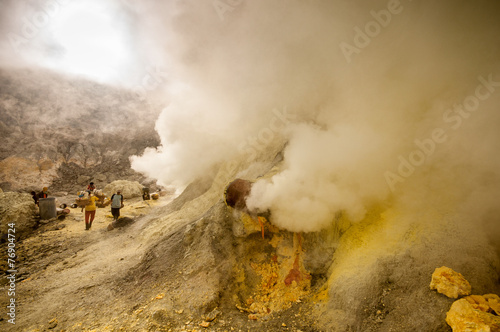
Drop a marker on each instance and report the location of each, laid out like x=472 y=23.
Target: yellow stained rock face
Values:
x=487 y=303
x=478 y=302
x=468 y=315
x=274 y=293
x=494 y=302
x=450 y=283
x=282 y=281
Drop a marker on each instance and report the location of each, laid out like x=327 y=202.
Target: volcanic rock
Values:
x=467 y=316
x=450 y=283
x=18 y=209
x=129 y=189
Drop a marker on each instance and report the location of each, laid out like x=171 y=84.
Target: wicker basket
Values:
x=82 y=202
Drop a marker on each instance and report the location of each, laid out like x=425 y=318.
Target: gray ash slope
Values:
x=62 y=132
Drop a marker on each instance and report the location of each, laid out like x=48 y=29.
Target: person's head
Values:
x=119 y=192
x=33 y=193
x=91 y=183
x=45 y=189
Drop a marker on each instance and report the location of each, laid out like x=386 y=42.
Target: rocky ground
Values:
x=72 y=279
x=195 y=264
x=55 y=245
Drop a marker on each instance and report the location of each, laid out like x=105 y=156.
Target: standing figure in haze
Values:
x=116 y=204
x=90 y=209
x=90 y=188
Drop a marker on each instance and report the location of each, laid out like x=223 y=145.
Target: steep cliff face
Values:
x=62 y=132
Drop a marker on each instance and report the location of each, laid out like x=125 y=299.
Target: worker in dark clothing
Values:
x=35 y=197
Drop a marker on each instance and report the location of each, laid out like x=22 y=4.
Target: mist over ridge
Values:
x=376 y=124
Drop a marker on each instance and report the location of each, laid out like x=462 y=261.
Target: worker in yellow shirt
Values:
x=90 y=211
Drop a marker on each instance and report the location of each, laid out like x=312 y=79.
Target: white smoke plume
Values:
x=390 y=102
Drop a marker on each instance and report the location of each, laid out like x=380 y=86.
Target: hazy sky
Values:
x=93 y=38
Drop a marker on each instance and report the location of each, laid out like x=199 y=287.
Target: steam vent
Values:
x=250 y=166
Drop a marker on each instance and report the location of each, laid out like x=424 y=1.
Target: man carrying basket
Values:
x=90 y=209
x=116 y=204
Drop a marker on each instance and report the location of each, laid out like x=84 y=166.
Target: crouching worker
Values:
x=90 y=211
x=35 y=197
x=116 y=204
x=44 y=193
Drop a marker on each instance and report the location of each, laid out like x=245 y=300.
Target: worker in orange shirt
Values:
x=44 y=193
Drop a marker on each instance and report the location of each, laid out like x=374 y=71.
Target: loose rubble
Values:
x=471 y=313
